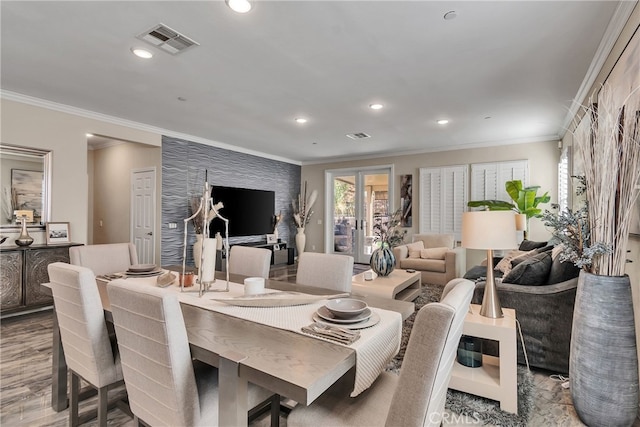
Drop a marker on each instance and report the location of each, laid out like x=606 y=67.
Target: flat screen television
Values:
x=250 y=212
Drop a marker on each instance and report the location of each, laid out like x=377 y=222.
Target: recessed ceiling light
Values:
x=450 y=15
x=240 y=6
x=487 y=117
x=89 y=135
x=376 y=106
x=141 y=53
x=182 y=98
x=442 y=121
x=301 y=120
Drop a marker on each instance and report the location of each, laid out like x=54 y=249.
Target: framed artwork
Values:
x=271 y=238
x=57 y=232
x=405 y=200
x=26 y=190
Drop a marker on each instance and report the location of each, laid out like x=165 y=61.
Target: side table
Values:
x=497 y=378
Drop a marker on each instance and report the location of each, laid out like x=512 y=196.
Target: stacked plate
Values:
x=347 y=313
x=143 y=270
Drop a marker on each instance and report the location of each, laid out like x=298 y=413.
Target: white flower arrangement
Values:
x=302 y=207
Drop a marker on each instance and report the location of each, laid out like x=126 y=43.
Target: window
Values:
x=488 y=179
x=443 y=199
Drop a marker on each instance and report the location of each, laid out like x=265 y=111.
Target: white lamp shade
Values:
x=489 y=230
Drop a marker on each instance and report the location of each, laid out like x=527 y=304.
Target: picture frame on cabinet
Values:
x=58 y=233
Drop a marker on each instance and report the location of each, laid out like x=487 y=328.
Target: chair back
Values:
x=426 y=369
x=156 y=359
x=83 y=329
x=436 y=240
x=248 y=261
x=104 y=259
x=325 y=271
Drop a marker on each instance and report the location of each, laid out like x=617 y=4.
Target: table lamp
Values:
x=489 y=230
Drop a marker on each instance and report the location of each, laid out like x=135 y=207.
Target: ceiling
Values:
x=501 y=72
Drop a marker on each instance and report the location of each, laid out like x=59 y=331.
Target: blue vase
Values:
x=382 y=260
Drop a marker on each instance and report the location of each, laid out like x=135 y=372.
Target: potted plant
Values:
x=525 y=202
x=387 y=235
x=302 y=215
x=603 y=364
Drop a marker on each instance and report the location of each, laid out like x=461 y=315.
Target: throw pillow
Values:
x=556 y=251
x=533 y=271
x=525 y=256
x=561 y=271
x=433 y=253
x=415 y=248
x=529 y=245
x=505 y=263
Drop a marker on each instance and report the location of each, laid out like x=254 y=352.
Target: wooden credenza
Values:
x=22 y=270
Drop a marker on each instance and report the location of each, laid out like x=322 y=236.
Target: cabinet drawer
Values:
x=36 y=272
x=10 y=280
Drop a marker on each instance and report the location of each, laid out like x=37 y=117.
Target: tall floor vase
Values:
x=301 y=240
x=603 y=365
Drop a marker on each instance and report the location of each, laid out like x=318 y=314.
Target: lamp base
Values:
x=490 y=302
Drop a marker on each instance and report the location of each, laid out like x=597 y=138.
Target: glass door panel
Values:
x=344 y=213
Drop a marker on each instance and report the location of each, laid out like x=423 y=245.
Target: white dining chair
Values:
x=325 y=271
x=166 y=387
x=249 y=261
x=417 y=396
x=106 y=258
x=89 y=352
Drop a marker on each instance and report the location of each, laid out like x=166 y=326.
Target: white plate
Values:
x=141 y=268
x=373 y=320
x=326 y=314
x=273 y=299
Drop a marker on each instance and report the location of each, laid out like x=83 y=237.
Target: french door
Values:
x=357 y=200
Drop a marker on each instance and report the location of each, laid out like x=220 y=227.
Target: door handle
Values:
x=150 y=233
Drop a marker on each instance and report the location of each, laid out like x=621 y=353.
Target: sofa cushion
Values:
x=435 y=240
x=529 y=245
x=433 y=253
x=480 y=271
x=533 y=271
x=505 y=263
x=436 y=265
x=561 y=271
x=414 y=249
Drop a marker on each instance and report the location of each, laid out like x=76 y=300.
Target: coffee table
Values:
x=400 y=285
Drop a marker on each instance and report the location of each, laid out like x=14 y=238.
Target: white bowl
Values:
x=345 y=307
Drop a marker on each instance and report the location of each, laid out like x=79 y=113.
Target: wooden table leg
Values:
x=59 y=375
x=232 y=392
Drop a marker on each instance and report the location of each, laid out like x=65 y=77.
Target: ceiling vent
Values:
x=358 y=135
x=167 y=39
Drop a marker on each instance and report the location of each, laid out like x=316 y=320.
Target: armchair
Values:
x=434 y=256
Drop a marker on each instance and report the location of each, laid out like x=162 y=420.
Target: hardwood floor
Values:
x=25 y=377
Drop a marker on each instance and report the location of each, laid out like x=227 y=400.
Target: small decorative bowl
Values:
x=345 y=308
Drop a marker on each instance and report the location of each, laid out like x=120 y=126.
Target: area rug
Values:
x=478 y=409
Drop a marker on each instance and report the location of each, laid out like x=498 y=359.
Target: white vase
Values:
x=301 y=240
x=197 y=250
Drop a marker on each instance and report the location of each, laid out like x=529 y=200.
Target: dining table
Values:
x=294 y=365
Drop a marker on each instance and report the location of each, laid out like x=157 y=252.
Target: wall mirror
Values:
x=25 y=185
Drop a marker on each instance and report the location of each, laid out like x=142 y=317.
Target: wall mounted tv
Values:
x=250 y=212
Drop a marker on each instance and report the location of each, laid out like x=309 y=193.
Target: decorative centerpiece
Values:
x=603 y=363
x=387 y=235
x=302 y=215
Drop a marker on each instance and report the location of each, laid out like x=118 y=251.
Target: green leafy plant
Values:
x=525 y=200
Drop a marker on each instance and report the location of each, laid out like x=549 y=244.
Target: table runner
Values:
x=376 y=346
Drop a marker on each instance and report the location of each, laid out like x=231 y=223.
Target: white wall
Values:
x=64 y=134
x=542 y=156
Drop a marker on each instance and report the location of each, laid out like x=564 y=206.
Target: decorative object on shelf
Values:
x=301 y=240
x=603 y=361
x=525 y=203
x=470 y=351
x=24 y=239
x=272 y=238
x=302 y=215
x=276 y=220
x=205 y=211
x=489 y=230
x=58 y=232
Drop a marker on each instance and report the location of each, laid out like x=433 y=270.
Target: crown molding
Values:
x=611 y=35
x=68 y=109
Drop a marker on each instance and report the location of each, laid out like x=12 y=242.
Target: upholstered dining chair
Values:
x=248 y=261
x=89 y=352
x=417 y=396
x=165 y=386
x=325 y=271
x=106 y=258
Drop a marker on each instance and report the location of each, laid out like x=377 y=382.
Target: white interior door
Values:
x=357 y=199
x=143 y=218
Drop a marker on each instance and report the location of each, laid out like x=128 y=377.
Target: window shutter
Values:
x=443 y=198
x=430 y=200
x=488 y=179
